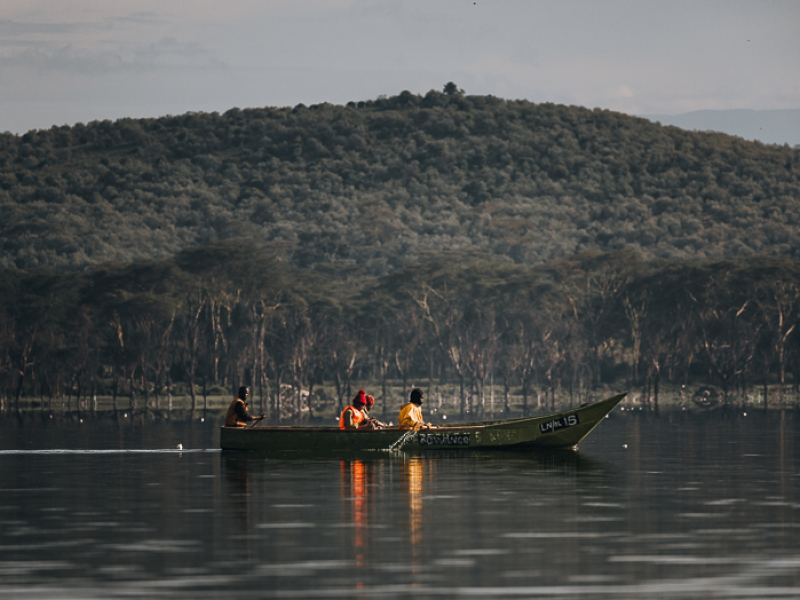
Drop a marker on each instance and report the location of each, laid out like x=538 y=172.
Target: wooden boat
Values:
x=558 y=430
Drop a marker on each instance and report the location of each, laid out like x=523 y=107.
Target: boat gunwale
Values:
x=301 y=429
x=515 y=423
x=615 y=399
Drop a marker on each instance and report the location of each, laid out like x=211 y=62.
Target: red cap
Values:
x=360 y=398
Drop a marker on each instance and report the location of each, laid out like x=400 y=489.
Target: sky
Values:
x=69 y=61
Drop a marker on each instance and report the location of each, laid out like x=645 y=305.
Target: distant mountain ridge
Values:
x=375 y=186
x=766 y=126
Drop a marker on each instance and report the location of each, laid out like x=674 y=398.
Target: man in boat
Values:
x=237 y=415
x=411 y=413
x=356 y=416
x=377 y=424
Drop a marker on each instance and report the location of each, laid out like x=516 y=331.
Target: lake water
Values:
x=681 y=505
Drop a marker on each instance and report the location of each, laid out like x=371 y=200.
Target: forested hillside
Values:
x=374 y=186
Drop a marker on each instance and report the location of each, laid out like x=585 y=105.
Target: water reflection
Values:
x=692 y=508
x=355 y=504
x=413 y=471
x=237 y=486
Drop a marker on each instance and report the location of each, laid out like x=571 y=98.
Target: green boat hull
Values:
x=558 y=430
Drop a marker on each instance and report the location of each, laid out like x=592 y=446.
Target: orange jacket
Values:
x=358 y=417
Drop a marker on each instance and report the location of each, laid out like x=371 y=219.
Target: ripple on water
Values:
x=677 y=560
x=302 y=568
x=157 y=546
x=100 y=452
x=557 y=535
x=27 y=567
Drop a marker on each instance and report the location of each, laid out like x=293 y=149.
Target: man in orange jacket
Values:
x=356 y=416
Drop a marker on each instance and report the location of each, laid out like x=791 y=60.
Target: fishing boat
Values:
x=558 y=430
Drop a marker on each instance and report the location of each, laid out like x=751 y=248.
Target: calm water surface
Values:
x=677 y=506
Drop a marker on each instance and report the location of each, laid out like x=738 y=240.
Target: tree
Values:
x=451 y=89
x=776 y=295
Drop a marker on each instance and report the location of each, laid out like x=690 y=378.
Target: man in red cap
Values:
x=377 y=424
x=353 y=416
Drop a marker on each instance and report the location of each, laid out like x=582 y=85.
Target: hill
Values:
x=374 y=186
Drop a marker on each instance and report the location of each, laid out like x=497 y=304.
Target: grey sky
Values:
x=64 y=61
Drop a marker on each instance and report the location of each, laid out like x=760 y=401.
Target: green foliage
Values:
x=374 y=186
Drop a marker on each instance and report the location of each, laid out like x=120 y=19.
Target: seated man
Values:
x=411 y=413
x=237 y=415
x=377 y=424
x=353 y=416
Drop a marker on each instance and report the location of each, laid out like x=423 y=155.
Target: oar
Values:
x=257 y=420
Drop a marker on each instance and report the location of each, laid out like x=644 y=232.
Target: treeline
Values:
x=230 y=313
x=373 y=186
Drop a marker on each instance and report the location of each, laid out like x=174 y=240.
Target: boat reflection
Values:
x=551 y=460
x=413 y=471
x=356 y=504
x=237 y=486
x=416 y=472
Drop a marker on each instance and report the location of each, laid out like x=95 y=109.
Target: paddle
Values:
x=257 y=420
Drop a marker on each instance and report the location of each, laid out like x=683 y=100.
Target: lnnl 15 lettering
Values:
x=560 y=423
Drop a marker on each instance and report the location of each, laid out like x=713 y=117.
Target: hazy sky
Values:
x=64 y=61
